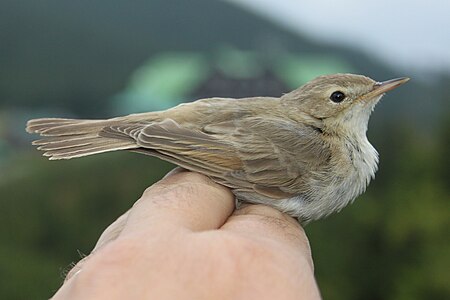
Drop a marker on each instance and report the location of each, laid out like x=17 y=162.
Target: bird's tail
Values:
x=70 y=138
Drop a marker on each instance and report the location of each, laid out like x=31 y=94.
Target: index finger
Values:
x=184 y=200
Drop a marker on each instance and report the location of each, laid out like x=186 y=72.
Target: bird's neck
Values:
x=363 y=156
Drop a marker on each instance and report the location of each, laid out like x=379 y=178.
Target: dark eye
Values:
x=337 y=97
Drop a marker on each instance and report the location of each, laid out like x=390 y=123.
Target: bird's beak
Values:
x=385 y=86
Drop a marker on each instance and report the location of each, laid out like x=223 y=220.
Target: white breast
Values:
x=336 y=190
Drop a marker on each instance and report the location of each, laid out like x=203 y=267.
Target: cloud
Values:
x=410 y=34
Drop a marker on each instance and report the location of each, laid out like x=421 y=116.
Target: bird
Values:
x=305 y=153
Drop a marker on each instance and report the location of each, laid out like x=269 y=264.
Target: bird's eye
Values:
x=337 y=97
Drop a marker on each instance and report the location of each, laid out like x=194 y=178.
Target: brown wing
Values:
x=275 y=154
x=189 y=148
x=253 y=155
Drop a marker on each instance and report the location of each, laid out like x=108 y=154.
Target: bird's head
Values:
x=339 y=103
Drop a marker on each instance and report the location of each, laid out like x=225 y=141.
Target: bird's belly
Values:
x=324 y=198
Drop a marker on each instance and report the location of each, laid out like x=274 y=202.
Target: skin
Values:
x=183 y=240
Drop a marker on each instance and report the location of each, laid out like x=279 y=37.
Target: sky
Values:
x=413 y=35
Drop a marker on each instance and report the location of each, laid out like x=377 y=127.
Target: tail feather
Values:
x=86 y=150
x=64 y=143
x=57 y=139
x=60 y=127
x=70 y=138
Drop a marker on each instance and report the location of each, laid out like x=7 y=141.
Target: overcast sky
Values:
x=412 y=34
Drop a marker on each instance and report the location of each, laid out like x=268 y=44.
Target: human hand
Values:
x=182 y=240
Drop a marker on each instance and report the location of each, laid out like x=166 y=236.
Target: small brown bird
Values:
x=305 y=153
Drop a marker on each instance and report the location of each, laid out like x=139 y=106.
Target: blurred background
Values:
x=97 y=59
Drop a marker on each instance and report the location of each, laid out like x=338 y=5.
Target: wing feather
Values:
x=259 y=156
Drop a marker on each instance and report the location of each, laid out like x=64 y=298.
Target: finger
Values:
x=184 y=200
x=264 y=222
x=113 y=231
